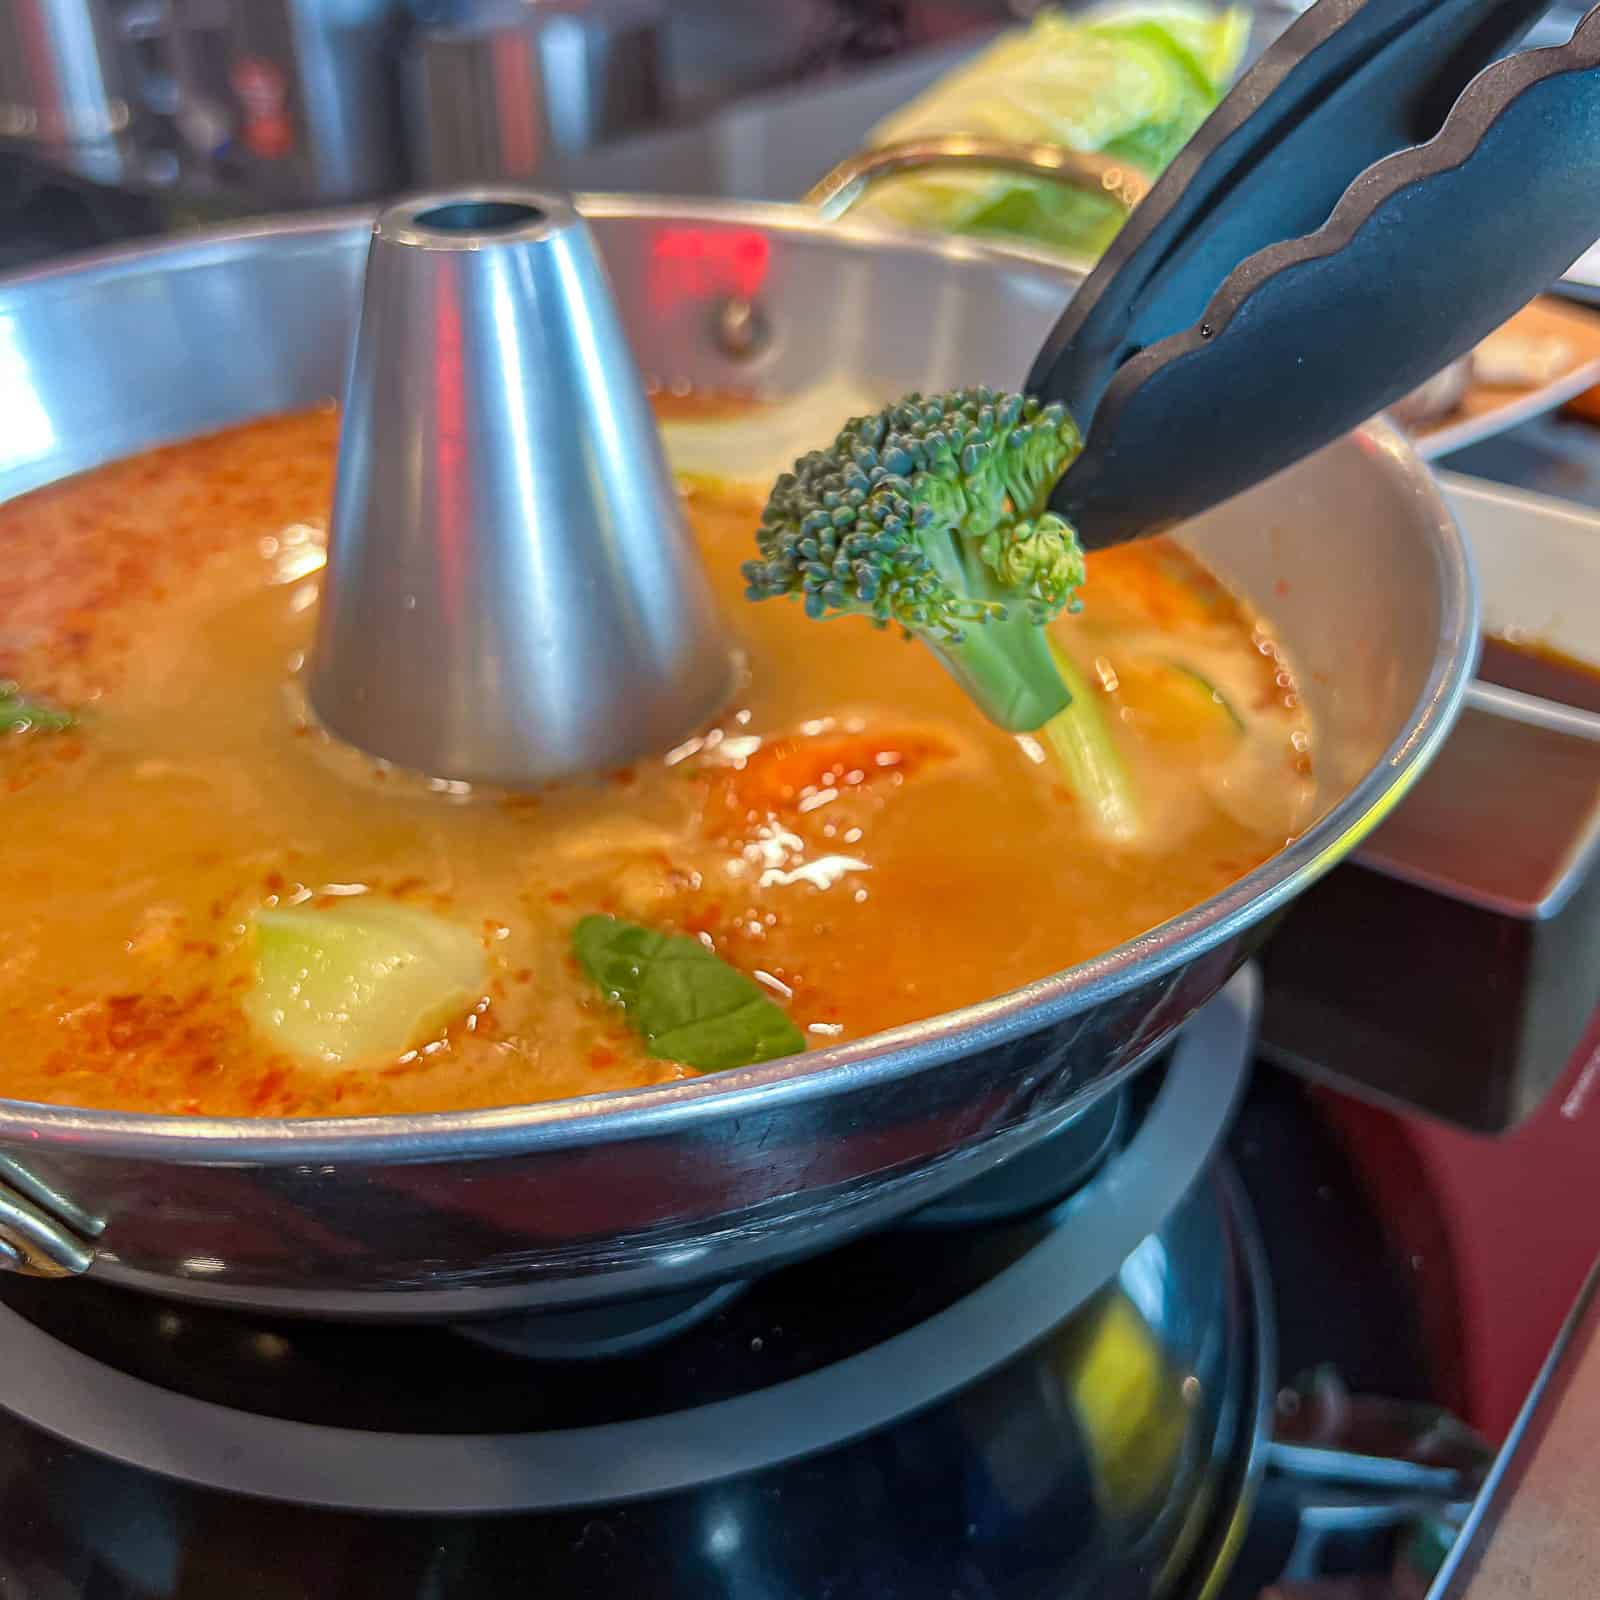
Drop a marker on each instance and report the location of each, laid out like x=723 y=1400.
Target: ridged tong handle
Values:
x=1348 y=83
x=1428 y=251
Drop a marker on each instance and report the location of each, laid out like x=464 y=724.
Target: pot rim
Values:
x=623 y=1115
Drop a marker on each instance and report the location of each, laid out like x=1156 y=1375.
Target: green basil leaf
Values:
x=687 y=1004
x=20 y=715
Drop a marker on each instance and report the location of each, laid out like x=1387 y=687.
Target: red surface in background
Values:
x=1500 y=1231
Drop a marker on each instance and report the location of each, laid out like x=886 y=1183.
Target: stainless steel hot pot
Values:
x=1352 y=553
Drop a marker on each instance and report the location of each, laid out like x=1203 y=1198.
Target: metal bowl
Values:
x=1352 y=553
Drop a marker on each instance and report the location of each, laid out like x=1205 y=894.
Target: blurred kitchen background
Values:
x=131 y=116
x=125 y=118
x=120 y=117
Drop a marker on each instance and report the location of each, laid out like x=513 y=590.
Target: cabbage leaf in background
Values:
x=1132 y=82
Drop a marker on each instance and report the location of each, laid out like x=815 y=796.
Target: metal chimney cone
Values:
x=512 y=594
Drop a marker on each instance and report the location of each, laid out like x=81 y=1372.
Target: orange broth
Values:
x=851 y=832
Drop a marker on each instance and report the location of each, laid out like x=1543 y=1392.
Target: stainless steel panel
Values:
x=512 y=593
x=1452 y=966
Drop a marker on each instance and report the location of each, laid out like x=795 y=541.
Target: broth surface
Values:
x=852 y=832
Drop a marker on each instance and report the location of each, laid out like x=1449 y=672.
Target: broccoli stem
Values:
x=1024 y=681
x=1007 y=668
x=1082 y=746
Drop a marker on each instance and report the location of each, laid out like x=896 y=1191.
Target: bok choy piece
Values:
x=361 y=980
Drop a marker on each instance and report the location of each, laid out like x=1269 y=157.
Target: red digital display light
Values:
x=697 y=263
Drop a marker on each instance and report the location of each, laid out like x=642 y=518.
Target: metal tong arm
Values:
x=1428 y=251
x=1349 y=82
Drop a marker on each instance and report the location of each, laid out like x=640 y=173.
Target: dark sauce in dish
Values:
x=1538 y=669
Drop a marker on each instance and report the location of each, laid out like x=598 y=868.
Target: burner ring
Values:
x=47 y=1383
x=592 y=1332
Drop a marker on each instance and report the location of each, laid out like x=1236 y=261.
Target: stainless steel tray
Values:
x=1454 y=965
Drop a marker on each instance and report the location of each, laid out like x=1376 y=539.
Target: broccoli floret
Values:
x=934 y=515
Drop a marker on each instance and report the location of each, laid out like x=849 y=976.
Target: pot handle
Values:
x=742 y=333
x=850 y=181
x=43 y=1234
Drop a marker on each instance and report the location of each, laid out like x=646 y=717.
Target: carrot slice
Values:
x=1156 y=585
x=781 y=776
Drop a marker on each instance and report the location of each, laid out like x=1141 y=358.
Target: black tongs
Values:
x=1354 y=260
